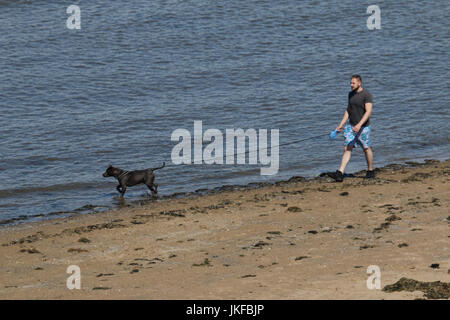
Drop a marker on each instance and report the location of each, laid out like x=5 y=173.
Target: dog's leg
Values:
x=149 y=183
x=152 y=189
x=118 y=189
x=124 y=188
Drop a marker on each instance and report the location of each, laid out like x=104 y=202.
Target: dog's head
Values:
x=111 y=171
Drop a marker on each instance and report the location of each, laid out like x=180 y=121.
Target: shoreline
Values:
x=92 y=208
x=293 y=239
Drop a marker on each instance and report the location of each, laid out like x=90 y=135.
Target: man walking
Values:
x=358 y=131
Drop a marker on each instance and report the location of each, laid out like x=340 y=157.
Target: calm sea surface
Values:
x=74 y=101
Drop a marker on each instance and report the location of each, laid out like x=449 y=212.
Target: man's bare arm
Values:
x=343 y=121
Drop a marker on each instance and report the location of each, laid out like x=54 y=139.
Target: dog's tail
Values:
x=164 y=164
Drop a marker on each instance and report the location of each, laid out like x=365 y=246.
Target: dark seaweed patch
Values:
x=431 y=290
x=205 y=263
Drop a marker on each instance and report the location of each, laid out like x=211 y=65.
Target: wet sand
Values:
x=299 y=239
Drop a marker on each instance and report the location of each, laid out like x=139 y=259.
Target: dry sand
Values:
x=292 y=240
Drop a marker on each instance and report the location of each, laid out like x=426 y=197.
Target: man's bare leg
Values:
x=369 y=158
x=345 y=157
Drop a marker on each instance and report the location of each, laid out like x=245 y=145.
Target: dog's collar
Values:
x=123 y=174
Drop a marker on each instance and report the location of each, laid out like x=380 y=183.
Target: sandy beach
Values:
x=298 y=239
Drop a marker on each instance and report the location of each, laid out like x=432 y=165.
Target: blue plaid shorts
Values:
x=362 y=137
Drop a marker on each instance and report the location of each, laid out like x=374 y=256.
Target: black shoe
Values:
x=370 y=174
x=337 y=176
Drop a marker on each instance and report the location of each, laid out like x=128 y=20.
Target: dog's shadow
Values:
x=122 y=201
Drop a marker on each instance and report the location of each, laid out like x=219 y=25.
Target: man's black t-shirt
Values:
x=356 y=106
